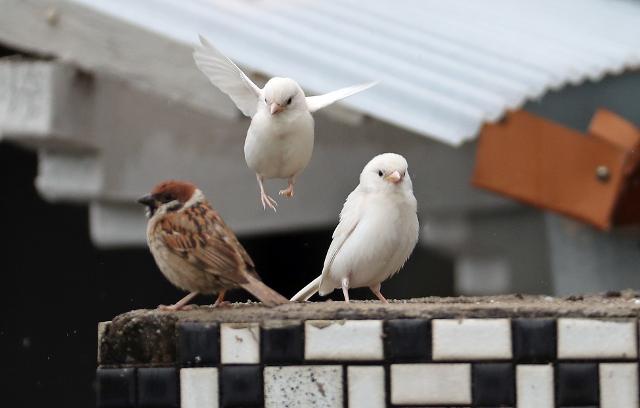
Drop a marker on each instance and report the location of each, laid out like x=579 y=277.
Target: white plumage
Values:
x=279 y=141
x=377 y=232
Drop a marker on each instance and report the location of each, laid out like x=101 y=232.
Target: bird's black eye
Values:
x=167 y=197
x=265 y=101
x=380 y=173
x=289 y=101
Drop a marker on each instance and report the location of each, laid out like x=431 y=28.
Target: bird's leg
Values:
x=288 y=192
x=264 y=198
x=345 y=289
x=181 y=304
x=376 y=291
x=220 y=299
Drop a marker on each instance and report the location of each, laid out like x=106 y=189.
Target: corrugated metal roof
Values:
x=446 y=67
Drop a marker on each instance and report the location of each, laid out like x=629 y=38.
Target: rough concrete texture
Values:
x=139 y=337
x=148 y=336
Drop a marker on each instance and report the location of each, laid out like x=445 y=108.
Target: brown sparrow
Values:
x=194 y=248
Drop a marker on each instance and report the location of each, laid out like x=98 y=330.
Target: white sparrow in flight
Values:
x=279 y=141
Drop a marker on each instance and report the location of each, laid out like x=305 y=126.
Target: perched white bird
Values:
x=279 y=141
x=377 y=232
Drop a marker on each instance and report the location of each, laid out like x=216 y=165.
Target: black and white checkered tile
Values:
x=524 y=363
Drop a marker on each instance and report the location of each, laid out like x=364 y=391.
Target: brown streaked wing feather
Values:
x=199 y=235
x=232 y=240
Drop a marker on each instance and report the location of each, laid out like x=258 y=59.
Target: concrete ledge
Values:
x=525 y=351
x=148 y=336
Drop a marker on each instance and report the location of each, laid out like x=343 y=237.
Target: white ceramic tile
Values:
x=303 y=386
x=431 y=384
x=199 y=388
x=591 y=338
x=534 y=386
x=366 y=386
x=619 y=385
x=240 y=343
x=475 y=339
x=343 y=340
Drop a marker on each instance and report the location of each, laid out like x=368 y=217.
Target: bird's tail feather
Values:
x=308 y=291
x=263 y=293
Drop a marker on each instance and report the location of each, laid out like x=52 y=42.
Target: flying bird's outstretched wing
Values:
x=226 y=76
x=318 y=102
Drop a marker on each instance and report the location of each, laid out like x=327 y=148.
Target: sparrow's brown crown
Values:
x=170 y=190
x=167 y=192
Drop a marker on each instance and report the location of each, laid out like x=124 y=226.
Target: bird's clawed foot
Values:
x=264 y=198
x=288 y=192
x=345 y=289
x=268 y=202
x=376 y=291
x=182 y=304
x=220 y=302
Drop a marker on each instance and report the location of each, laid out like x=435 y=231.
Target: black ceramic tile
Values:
x=241 y=386
x=407 y=340
x=493 y=384
x=577 y=384
x=158 y=387
x=534 y=340
x=198 y=344
x=116 y=387
x=282 y=344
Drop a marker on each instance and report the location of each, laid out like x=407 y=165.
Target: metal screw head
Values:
x=603 y=174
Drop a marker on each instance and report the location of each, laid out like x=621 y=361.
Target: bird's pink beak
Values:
x=394 y=177
x=275 y=108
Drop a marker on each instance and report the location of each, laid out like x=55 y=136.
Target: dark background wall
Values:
x=57 y=286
